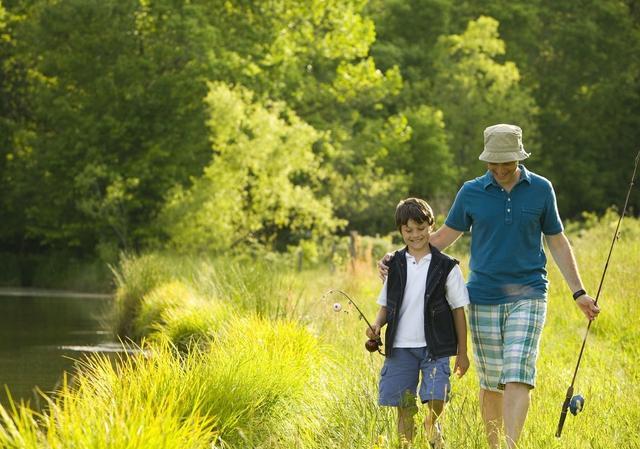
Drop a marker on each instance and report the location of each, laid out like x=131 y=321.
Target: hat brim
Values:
x=498 y=158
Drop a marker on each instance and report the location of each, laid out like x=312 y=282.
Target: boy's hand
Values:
x=375 y=333
x=462 y=365
x=383 y=269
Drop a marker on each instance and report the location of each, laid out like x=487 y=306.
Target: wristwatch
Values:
x=578 y=294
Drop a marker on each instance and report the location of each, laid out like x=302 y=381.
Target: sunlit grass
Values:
x=254 y=357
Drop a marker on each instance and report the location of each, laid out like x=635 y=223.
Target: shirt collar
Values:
x=409 y=257
x=488 y=178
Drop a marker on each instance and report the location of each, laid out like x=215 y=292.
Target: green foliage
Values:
x=154 y=305
x=261 y=371
x=475 y=90
x=259 y=185
x=107 y=120
x=141 y=402
x=420 y=150
x=579 y=61
x=173 y=310
x=126 y=82
x=135 y=277
x=406 y=32
x=225 y=395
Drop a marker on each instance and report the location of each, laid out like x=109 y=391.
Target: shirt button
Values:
x=508 y=199
x=508 y=210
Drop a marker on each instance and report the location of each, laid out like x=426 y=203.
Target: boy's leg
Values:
x=398 y=383
x=431 y=427
x=434 y=391
x=406 y=424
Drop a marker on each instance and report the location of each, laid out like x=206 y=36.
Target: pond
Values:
x=43 y=332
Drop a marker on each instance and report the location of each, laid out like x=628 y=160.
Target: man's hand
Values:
x=462 y=365
x=588 y=306
x=383 y=268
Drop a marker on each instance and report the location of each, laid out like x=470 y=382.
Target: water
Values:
x=42 y=333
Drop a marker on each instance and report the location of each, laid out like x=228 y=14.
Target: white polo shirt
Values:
x=410 y=331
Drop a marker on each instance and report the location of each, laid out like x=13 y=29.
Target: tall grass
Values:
x=237 y=393
x=239 y=356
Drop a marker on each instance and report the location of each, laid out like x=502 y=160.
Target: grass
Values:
x=241 y=355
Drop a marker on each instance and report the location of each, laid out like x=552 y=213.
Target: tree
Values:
x=260 y=184
x=117 y=116
x=580 y=63
x=475 y=90
x=14 y=113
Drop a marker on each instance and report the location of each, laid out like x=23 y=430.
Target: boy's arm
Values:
x=462 y=360
x=381 y=320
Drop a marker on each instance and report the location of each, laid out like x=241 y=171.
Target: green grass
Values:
x=243 y=355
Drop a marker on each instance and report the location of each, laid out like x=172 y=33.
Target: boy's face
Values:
x=416 y=235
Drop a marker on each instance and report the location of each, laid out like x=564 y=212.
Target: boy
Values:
x=422 y=303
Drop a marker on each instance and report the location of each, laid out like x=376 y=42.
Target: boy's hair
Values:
x=414 y=209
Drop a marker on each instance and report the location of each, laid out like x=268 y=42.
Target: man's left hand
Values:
x=588 y=306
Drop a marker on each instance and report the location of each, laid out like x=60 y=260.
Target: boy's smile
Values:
x=416 y=237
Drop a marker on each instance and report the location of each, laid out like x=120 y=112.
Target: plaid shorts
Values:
x=505 y=340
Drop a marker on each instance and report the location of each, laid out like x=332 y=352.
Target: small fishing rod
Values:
x=371 y=344
x=575 y=403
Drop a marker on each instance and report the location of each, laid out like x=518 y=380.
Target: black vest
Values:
x=439 y=328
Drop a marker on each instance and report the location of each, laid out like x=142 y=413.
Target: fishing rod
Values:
x=575 y=403
x=372 y=344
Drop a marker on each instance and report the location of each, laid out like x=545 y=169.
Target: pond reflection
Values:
x=41 y=336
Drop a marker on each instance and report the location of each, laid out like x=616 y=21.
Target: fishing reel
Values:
x=373 y=345
x=576 y=404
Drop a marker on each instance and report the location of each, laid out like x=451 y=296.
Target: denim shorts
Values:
x=505 y=340
x=401 y=372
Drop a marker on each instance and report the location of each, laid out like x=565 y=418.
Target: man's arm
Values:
x=441 y=239
x=444 y=237
x=462 y=359
x=566 y=262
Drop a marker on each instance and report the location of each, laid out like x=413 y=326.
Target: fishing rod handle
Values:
x=565 y=408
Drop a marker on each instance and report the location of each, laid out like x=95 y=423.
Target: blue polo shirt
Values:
x=507 y=254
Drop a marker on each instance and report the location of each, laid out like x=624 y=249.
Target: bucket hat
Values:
x=503 y=143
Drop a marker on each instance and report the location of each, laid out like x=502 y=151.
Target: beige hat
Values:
x=503 y=143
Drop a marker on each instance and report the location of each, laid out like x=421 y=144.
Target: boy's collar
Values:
x=405 y=251
x=408 y=255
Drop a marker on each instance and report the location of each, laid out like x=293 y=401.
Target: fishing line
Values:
x=372 y=345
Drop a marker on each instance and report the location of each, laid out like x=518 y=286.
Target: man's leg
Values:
x=522 y=332
x=516 y=405
x=491 y=403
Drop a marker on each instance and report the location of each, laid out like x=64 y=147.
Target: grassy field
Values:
x=246 y=355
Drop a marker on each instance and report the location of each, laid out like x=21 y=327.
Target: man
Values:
x=508 y=210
